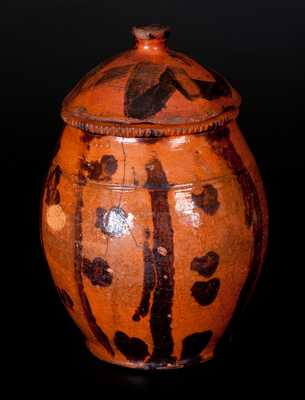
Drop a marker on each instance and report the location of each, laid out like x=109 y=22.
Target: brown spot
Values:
x=134 y=349
x=206 y=265
x=52 y=193
x=205 y=292
x=101 y=170
x=65 y=298
x=98 y=271
x=194 y=344
x=207 y=199
x=113 y=223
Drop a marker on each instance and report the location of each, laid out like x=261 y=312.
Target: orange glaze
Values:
x=154 y=219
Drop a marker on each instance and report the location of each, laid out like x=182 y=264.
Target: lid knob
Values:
x=149 y=32
x=151 y=37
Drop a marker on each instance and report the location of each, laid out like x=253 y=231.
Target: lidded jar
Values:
x=154 y=217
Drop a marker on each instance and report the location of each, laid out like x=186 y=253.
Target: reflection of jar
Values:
x=154 y=216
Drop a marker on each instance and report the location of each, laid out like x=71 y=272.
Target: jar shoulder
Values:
x=185 y=159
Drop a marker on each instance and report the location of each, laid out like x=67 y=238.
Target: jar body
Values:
x=154 y=243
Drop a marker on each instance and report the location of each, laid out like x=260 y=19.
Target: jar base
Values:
x=95 y=351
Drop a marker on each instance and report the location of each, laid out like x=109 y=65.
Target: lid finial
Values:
x=150 y=32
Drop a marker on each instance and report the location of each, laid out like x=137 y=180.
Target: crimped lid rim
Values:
x=101 y=127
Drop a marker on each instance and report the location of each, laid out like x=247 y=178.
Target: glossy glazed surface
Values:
x=150 y=90
x=155 y=243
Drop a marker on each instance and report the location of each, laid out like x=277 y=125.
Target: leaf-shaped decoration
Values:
x=151 y=85
x=148 y=89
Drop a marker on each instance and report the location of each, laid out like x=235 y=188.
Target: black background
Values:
x=46 y=46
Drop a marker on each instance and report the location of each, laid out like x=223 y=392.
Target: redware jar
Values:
x=154 y=218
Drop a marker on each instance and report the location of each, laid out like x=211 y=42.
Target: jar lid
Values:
x=150 y=91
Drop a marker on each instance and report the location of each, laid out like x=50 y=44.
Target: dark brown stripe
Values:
x=222 y=145
x=148 y=89
x=163 y=252
x=52 y=193
x=185 y=84
x=65 y=298
x=87 y=138
x=112 y=74
x=151 y=85
x=194 y=88
x=214 y=90
x=78 y=260
x=181 y=57
x=148 y=281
